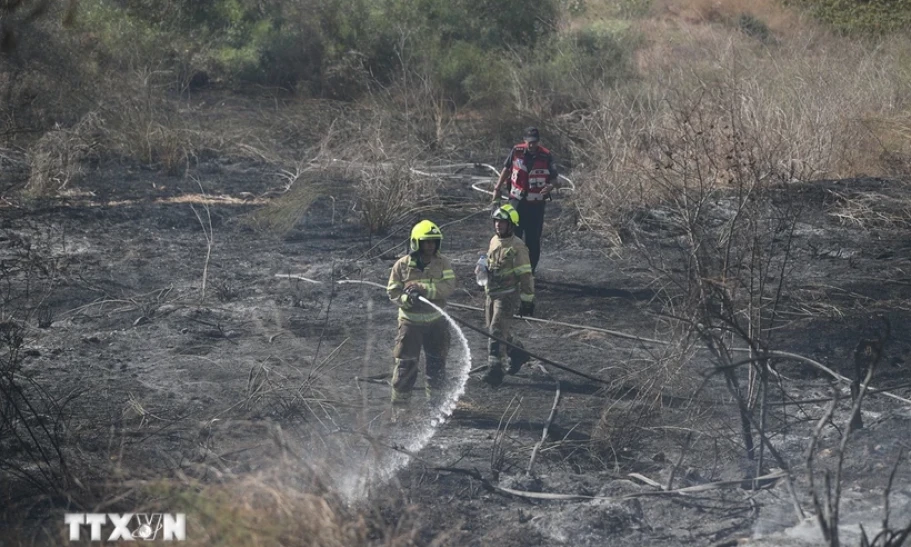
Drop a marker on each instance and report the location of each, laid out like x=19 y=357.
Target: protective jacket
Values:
x=528 y=179
x=509 y=268
x=436 y=278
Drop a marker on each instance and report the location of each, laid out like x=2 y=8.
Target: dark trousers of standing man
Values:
x=531 y=226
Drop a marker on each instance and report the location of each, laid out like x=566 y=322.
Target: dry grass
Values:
x=391 y=193
x=270 y=509
x=621 y=424
x=770 y=12
x=647 y=393
x=370 y=149
x=57 y=158
x=813 y=105
x=284 y=212
x=285 y=506
x=872 y=210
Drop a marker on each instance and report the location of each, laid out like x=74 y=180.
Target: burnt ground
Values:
x=162 y=379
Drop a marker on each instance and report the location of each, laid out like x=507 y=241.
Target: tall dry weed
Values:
x=145 y=124
x=371 y=150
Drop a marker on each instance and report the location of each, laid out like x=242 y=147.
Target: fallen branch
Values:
x=302 y=278
x=718 y=485
x=550 y=419
x=646 y=480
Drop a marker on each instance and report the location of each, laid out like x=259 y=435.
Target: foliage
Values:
x=310 y=46
x=867 y=17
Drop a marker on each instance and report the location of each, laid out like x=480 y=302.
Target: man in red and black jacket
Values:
x=532 y=176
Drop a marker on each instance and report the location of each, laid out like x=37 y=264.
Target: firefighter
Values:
x=510 y=288
x=423 y=272
x=532 y=177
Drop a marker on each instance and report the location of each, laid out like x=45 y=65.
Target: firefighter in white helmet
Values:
x=423 y=272
x=510 y=288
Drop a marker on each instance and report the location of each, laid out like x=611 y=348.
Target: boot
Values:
x=517 y=357
x=400 y=399
x=494 y=375
x=396 y=412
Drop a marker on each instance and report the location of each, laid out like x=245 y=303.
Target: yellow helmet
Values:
x=506 y=212
x=423 y=231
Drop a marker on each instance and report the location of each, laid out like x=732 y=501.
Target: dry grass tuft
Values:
x=642 y=398
x=621 y=424
x=283 y=213
x=369 y=149
x=144 y=124
x=56 y=159
x=390 y=193
x=266 y=510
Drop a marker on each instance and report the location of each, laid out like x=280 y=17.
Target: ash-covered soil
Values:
x=186 y=341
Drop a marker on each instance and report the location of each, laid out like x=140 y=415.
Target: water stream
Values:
x=372 y=458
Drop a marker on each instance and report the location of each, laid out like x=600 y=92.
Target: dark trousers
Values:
x=531 y=226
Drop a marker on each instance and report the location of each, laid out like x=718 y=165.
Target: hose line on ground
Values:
x=484 y=332
x=773 y=353
x=544 y=360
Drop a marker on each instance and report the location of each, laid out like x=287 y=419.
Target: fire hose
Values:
x=484 y=332
x=544 y=360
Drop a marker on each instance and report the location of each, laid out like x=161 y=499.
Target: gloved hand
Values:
x=405 y=301
x=526 y=309
x=412 y=293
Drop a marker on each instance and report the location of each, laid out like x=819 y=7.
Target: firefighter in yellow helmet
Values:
x=510 y=288
x=423 y=272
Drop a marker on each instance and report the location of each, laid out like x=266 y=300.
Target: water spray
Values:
x=385 y=458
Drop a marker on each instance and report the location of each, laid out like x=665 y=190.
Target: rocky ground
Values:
x=184 y=340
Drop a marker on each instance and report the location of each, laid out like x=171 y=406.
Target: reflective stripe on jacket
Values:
x=527 y=181
x=510 y=268
x=436 y=278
